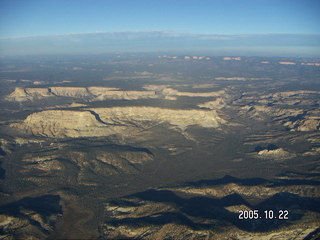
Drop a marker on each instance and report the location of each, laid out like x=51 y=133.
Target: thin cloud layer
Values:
x=163 y=41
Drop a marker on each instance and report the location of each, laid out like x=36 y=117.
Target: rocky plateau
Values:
x=119 y=120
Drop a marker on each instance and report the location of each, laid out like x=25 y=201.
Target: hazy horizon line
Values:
x=303 y=44
x=169 y=32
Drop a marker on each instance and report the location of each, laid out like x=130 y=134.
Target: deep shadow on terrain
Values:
x=44 y=205
x=30 y=210
x=189 y=208
x=252 y=182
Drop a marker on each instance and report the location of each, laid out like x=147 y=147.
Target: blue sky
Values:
x=54 y=17
x=232 y=27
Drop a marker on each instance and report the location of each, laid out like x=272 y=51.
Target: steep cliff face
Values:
x=92 y=93
x=28 y=94
x=218 y=103
x=103 y=93
x=176 y=117
x=126 y=95
x=118 y=120
x=77 y=92
x=63 y=123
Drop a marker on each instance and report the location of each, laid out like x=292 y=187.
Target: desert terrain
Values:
x=158 y=147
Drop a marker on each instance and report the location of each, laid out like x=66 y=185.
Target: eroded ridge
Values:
x=211 y=210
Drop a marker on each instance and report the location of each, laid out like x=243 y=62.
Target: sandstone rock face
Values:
x=25 y=94
x=306 y=124
x=313 y=152
x=277 y=154
x=5 y=147
x=170 y=91
x=218 y=103
x=126 y=95
x=287 y=63
x=95 y=93
x=118 y=120
x=100 y=90
x=78 y=92
x=259 y=192
x=103 y=93
x=63 y=123
x=278 y=112
x=142 y=115
x=167 y=91
x=204 y=85
x=309 y=125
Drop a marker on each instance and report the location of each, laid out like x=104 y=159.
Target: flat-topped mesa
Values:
x=28 y=94
x=117 y=120
x=63 y=123
x=97 y=93
x=103 y=93
x=180 y=118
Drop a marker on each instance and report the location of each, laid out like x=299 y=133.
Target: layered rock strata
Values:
x=103 y=93
x=95 y=93
x=117 y=120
